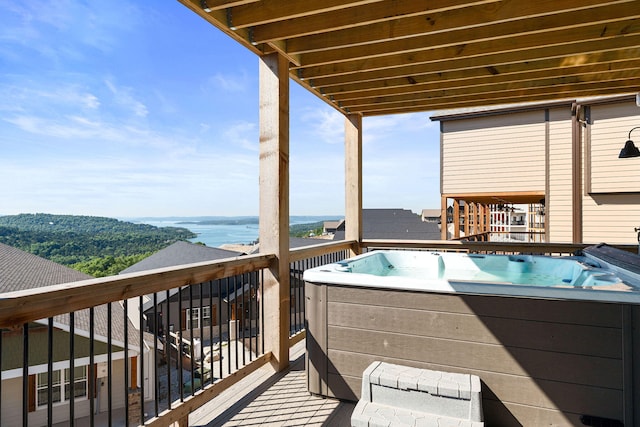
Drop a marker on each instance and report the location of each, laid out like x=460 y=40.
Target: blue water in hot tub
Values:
x=540 y=271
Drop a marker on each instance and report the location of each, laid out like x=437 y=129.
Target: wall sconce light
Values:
x=630 y=149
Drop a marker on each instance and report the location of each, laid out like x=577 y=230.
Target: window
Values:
x=206 y=316
x=61 y=389
x=195 y=318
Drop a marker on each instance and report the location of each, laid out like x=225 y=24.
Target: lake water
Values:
x=215 y=235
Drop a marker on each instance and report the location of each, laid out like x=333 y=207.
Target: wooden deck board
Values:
x=268 y=399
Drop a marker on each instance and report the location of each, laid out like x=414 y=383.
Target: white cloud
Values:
x=123 y=96
x=242 y=134
x=325 y=123
x=229 y=83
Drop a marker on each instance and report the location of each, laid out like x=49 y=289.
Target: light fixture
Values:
x=630 y=149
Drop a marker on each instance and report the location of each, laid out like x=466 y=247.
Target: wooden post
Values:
x=456 y=219
x=444 y=235
x=487 y=210
x=274 y=203
x=467 y=219
x=353 y=180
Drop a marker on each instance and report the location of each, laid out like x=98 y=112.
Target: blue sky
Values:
x=137 y=108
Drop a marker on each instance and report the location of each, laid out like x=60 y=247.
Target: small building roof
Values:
x=180 y=253
x=394 y=224
x=431 y=213
x=20 y=270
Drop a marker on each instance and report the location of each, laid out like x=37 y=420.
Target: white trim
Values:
x=38 y=369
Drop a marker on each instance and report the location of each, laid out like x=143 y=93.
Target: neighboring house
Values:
x=20 y=271
x=181 y=308
x=561 y=158
x=394 y=224
x=330 y=227
x=431 y=215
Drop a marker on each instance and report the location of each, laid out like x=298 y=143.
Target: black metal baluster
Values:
x=211 y=328
x=109 y=369
x=179 y=345
x=219 y=285
x=167 y=350
x=125 y=305
x=235 y=315
x=191 y=340
x=228 y=326
x=25 y=375
x=261 y=313
x=156 y=329
x=291 y=306
x=202 y=337
x=50 y=373
x=72 y=379
x=92 y=363
x=241 y=327
x=250 y=277
x=141 y=370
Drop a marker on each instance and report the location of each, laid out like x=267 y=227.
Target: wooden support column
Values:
x=443 y=218
x=466 y=218
x=353 y=180
x=274 y=203
x=456 y=219
x=487 y=218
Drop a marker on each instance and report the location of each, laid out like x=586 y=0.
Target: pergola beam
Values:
x=296 y=29
x=455 y=27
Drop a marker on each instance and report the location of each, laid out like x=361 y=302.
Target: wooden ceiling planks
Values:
x=376 y=57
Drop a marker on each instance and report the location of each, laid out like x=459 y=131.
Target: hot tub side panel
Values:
x=541 y=362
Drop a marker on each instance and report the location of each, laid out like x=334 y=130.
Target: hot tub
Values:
x=597 y=274
x=554 y=340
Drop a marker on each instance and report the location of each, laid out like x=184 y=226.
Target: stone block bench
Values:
x=394 y=395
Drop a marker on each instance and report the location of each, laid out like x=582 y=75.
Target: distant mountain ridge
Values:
x=70 y=239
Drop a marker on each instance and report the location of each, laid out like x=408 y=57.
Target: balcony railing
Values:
x=149 y=348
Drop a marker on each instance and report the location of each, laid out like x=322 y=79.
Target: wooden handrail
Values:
x=527 y=248
x=311 y=251
x=19 y=307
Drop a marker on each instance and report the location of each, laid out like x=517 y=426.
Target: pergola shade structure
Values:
x=376 y=57
x=380 y=57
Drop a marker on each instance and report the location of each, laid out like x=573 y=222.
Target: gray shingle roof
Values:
x=21 y=270
x=394 y=224
x=180 y=253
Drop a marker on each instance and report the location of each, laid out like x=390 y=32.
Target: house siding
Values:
x=506 y=152
x=12 y=401
x=559 y=205
x=611 y=209
x=479 y=154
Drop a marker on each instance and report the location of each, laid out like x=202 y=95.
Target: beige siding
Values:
x=609 y=130
x=611 y=217
x=479 y=154
x=559 y=204
x=12 y=401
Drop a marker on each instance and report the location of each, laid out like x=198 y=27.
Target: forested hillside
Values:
x=96 y=245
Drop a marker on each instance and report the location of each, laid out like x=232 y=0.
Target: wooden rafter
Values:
x=375 y=57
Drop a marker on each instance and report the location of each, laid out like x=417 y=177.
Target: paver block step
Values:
x=395 y=395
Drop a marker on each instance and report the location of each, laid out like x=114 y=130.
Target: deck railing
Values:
x=302 y=259
x=85 y=349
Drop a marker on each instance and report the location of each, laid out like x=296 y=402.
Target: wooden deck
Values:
x=268 y=399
